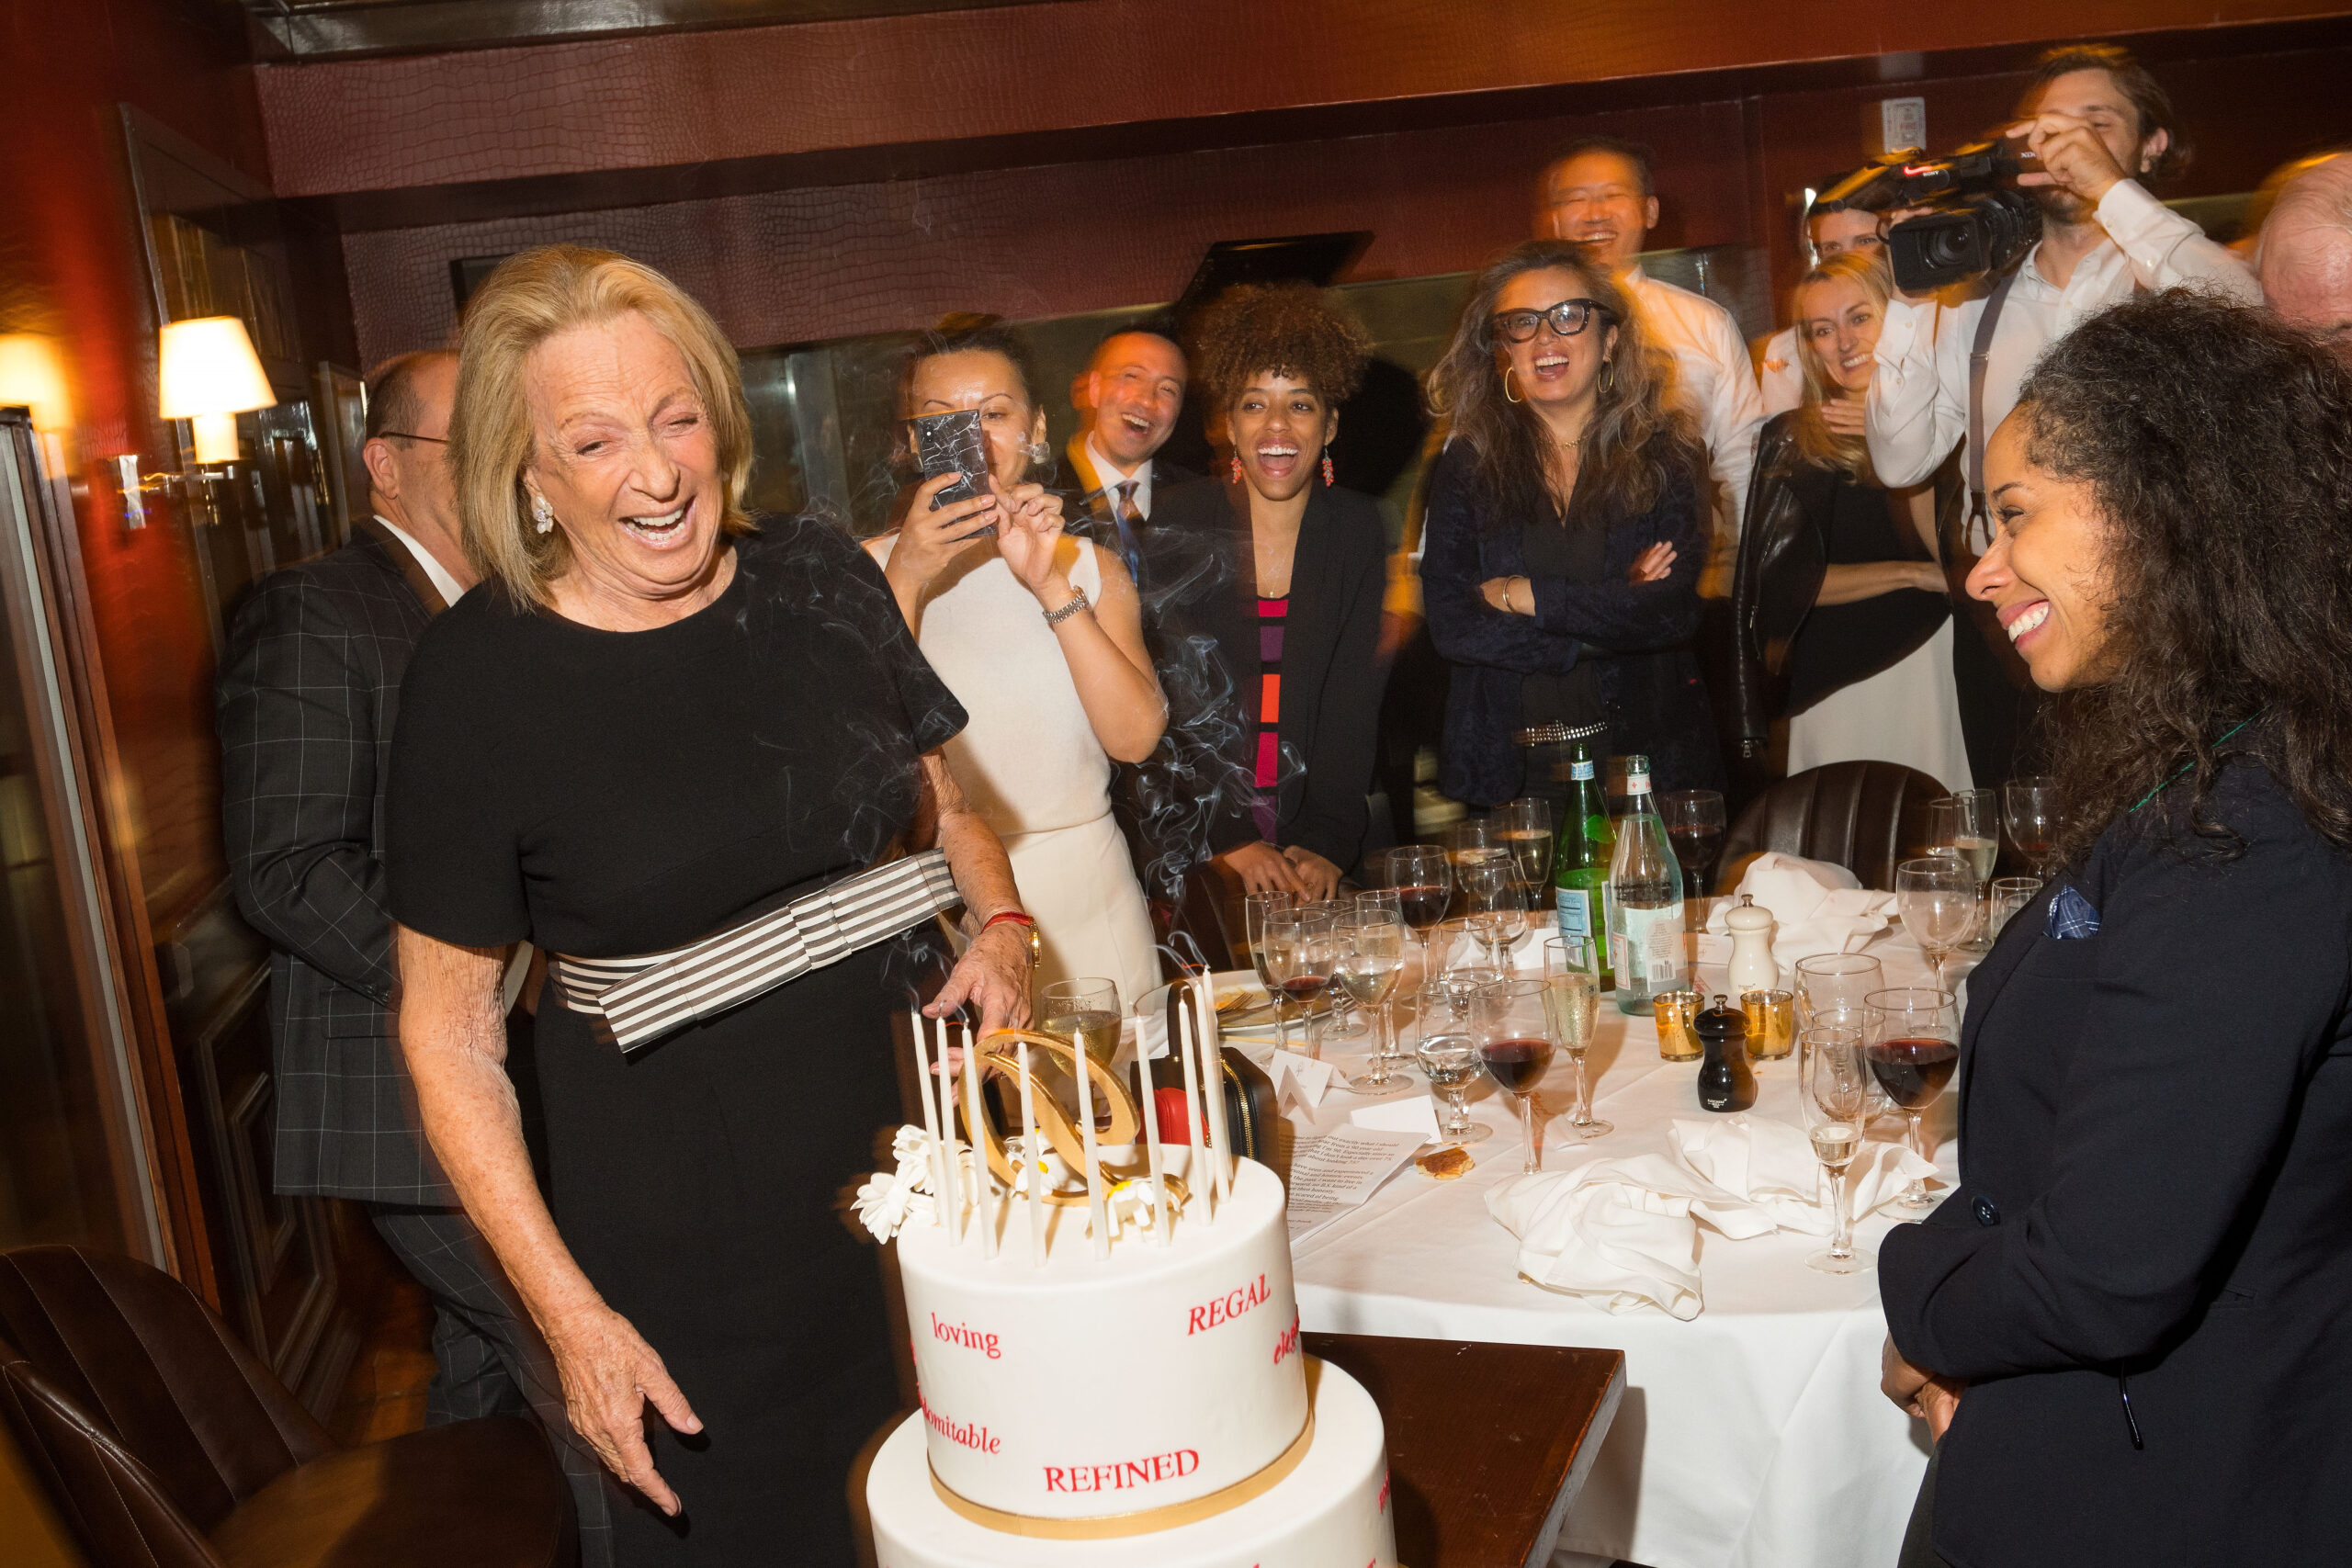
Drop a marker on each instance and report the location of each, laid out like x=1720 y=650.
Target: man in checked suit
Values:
x=305 y=697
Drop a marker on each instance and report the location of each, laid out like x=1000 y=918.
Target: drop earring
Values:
x=544 y=514
x=1327 y=470
x=1236 y=471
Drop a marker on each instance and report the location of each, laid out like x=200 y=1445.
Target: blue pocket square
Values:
x=2070 y=917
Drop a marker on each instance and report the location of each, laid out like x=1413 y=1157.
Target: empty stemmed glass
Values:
x=2030 y=808
x=1524 y=827
x=1938 y=899
x=2011 y=895
x=1256 y=910
x=1372 y=957
x=1422 y=880
x=1342 y=1025
x=1450 y=1061
x=1494 y=903
x=1835 y=1092
x=1911 y=1043
x=1461 y=967
x=1513 y=1029
x=1694 y=824
x=1572 y=1000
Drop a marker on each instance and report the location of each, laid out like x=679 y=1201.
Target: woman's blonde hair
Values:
x=533 y=295
x=1816 y=442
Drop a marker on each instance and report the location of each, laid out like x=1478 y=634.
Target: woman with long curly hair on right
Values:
x=2125 y=1326
x=1563 y=533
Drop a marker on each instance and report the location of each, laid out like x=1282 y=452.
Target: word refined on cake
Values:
x=1120 y=1476
x=1224 y=1309
x=979 y=1439
x=967 y=1336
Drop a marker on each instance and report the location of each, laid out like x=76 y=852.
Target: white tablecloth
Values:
x=1751 y=1437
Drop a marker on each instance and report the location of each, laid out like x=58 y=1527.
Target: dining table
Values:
x=1751 y=1435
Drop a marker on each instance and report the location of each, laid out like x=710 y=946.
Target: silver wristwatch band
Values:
x=1078 y=602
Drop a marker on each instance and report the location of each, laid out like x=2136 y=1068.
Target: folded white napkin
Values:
x=1625 y=1232
x=1816 y=907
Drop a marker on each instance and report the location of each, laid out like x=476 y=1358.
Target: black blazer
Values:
x=2156 y=1196
x=305 y=699
x=1201 y=617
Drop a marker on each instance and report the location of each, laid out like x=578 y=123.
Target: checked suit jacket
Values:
x=308 y=691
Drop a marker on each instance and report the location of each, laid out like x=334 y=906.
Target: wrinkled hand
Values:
x=1916 y=1390
x=1318 y=876
x=1029 y=539
x=1262 y=868
x=993 y=974
x=1653 y=565
x=1844 y=416
x=2073 y=157
x=609 y=1375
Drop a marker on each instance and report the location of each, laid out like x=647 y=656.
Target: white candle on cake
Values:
x=930 y=1108
x=1213 y=1084
x=1190 y=1066
x=951 y=1197
x=1033 y=1160
x=1097 y=1214
x=983 y=1192
x=1150 y=1111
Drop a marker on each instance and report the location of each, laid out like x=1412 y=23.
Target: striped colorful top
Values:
x=1271 y=614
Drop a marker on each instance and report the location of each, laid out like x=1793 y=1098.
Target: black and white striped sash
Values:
x=639 y=999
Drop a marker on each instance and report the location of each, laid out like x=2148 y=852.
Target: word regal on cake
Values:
x=1105 y=1337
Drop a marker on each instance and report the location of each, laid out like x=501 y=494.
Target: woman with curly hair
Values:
x=1839 y=600
x=2124 y=1327
x=1270 y=610
x=1565 y=532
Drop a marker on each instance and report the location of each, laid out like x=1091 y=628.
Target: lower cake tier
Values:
x=1330 y=1511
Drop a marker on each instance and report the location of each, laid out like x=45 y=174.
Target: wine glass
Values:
x=1830 y=987
x=1462 y=967
x=1342 y=1025
x=1257 y=909
x=1835 y=1086
x=1304 y=956
x=1962 y=826
x=1086 y=1014
x=1937 y=898
x=1572 y=995
x=1911 y=1042
x=1845 y=1037
x=1423 y=881
x=1449 y=1062
x=2011 y=894
x=1372 y=957
x=1513 y=1029
x=1694 y=821
x=1493 y=901
x=1525 y=826
x=2030 y=806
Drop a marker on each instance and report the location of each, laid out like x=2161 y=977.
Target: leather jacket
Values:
x=1783 y=556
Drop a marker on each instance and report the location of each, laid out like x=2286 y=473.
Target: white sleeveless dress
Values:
x=1030 y=766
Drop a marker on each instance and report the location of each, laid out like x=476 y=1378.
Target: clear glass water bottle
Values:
x=1646 y=940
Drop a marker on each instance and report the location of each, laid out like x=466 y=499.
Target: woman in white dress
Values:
x=1039 y=635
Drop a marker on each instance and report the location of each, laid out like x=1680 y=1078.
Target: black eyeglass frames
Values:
x=411 y=436
x=1569 y=318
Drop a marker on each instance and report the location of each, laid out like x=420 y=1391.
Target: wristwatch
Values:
x=1036 y=942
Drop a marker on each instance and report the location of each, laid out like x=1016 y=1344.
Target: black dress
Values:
x=604 y=794
x=1840 y=645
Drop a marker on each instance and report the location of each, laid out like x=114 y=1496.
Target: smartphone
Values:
x=952 y=444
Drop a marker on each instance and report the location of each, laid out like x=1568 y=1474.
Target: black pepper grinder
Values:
x=1726 y=1082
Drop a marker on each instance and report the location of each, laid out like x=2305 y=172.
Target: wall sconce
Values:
x=210 y=375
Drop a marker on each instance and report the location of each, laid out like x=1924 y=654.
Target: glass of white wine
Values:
x=1965 y=825
x=1572 y=1001
x=1371 y=961
x=1838 y=1088
x=1086 y=1014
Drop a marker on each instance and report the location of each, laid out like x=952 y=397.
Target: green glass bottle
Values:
x=1587 y=841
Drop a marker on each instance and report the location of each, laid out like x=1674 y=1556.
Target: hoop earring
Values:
x=1327 y=470
x=1607 y=376
x=1507 y=396
x=543 y=513
x=1236 y=471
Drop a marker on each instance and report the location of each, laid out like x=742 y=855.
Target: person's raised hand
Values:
x=928 y=540
x=1653 y=565
x=1262 y=868
x=2073 y=157
x=993 y=974
x=1319 y=878
x=609 y=1375
x=1030 y=542
x=1844 y=416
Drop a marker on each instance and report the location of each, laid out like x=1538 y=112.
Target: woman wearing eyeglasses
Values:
x=1563 y=533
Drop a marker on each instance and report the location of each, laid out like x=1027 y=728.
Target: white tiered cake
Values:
x=1156 y=1398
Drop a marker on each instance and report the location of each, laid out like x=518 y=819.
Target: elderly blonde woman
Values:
x=663 y=722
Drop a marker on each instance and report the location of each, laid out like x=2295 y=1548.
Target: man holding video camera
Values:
x=2092 y=124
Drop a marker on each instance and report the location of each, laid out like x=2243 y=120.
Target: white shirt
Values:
x=1917 y=408
x=1715 y=383
x=1782 y=378
x=1107 y=476
x=442 y=583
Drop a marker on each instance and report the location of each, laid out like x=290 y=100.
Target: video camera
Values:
x=1979 y=220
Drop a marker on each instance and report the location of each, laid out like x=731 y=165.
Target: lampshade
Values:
x=31 y=375
x=210 y=374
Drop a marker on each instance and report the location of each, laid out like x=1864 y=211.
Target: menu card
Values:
x=1340 y=1171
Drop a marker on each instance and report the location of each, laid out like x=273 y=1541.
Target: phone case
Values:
x=952 y=443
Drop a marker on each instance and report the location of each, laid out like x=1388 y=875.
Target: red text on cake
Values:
x=1228 y=1306
x=977 y=1439
x=967 y=1336
x=1126 y=1473
x=1288 y=1343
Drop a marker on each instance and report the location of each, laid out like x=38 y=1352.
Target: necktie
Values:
x=1126 y=514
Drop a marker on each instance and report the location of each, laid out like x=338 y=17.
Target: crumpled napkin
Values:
x=1816 y=907
x=1625 y=1232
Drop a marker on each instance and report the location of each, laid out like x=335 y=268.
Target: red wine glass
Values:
x=1911 y=1040
x=1515 y=1045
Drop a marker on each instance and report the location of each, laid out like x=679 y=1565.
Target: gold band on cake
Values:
x=1105 y=1526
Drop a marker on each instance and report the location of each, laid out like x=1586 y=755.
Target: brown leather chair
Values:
x=167 y=1444
x=1867 y=817
x=1210 y=915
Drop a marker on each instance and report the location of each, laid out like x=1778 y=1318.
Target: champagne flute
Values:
x=1572 y=993
x=1493 y=901
x=1694 y=823
x=1937 y=898
x=2010 y=895
x=1257 y=909
x=1835 y=1090
x=1423 y=882
x=2030 y=808
x=1962 y=825
x=1372 y=957
x=1845 y=1035
x=1282 y=934
x=1513 y=1029
x=1911 y=1042
x=1525 y=827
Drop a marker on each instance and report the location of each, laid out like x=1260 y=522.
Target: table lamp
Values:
x=210 y=375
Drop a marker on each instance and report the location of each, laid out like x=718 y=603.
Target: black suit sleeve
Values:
x=1332 y=816
x=2179 y=1098
x=299 y=751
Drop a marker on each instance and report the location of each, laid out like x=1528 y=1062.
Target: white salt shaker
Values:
x=1752 y=968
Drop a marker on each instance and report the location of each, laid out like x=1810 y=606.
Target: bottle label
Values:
x=1647 y=948
x=1637 y=784
x=1581 y=770
x=1576 y=912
